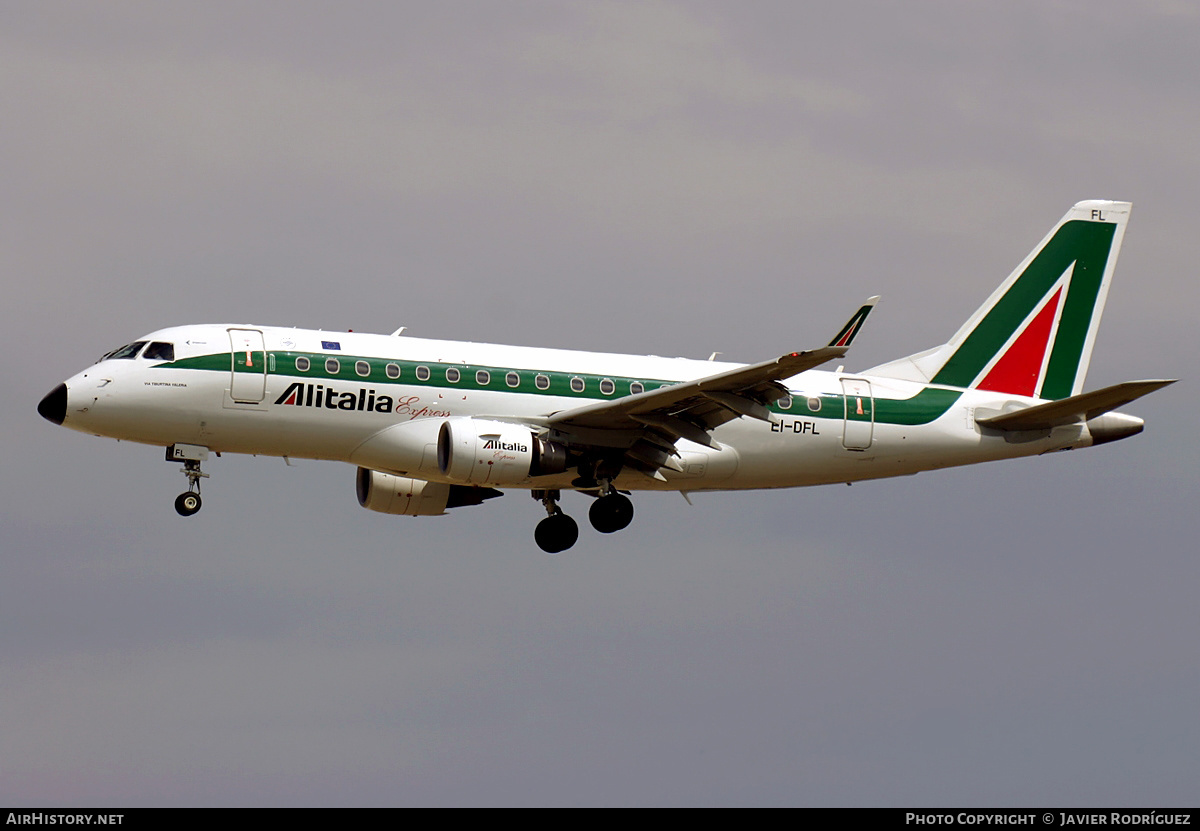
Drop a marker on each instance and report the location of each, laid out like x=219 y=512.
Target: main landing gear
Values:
x=557 y=532
x=188 y=502
x=612 y=511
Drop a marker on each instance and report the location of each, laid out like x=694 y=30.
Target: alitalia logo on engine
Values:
x=496 y=444
x=300 y=394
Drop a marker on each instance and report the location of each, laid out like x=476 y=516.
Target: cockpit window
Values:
x=129 y=351
x=159 y=351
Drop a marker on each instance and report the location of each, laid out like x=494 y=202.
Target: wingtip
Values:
x=1162 y=383
x=1154 y=383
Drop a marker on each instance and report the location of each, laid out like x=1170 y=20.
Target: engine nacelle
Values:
x=389 y=494
x=482 y=452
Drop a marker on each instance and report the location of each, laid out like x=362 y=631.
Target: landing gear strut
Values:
x=557 y=532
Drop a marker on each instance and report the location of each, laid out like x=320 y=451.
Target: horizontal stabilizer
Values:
x=1073 y=410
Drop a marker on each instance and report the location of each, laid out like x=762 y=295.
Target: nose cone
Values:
x=54 y=405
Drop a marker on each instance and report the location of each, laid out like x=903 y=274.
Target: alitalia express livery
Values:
x=433 y=425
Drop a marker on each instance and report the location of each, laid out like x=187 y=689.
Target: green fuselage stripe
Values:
x=923 y=408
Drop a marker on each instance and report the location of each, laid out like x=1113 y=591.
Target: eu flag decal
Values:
x=331 y=344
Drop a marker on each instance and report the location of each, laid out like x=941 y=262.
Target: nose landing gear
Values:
x=188 y=502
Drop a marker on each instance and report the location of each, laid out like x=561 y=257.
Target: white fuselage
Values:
x=837 y=427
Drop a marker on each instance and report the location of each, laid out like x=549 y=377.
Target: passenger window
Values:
x=636 y=387
x=577 y=384
x=362 y=368
x=159 y=351
x=512 y=379
x=392 y=370
x=422 y=373
x=785 y=403
x=542 y=382
x=814 y=404
x=483 y=378
x=302 y=364
x=607 y=386
x=333 y=366
x=452 y=375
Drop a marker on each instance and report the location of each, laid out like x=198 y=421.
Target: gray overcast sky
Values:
x=668 y=178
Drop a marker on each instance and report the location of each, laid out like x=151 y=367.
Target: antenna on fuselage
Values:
x=398 y=331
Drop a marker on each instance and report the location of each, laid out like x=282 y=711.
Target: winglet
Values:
x=854 y=324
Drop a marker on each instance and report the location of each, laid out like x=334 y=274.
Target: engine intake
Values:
x=482 y=452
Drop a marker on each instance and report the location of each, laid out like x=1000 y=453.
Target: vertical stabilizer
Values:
x=1034 y=335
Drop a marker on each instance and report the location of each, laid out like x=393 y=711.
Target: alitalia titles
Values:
x=300 y=394
x=496 y=444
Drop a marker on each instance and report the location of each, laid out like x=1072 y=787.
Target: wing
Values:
x=705 y=404
x=646 y=426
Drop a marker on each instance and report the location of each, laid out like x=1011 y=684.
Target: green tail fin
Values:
x=1034 y=335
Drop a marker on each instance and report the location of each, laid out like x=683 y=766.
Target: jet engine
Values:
x=482 y=452
x=388 y=494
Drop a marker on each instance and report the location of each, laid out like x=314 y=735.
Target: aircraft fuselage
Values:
x=296 y=398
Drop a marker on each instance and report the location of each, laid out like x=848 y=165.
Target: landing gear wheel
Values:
x=187 y=503
x=611 y=513
x=556 y=533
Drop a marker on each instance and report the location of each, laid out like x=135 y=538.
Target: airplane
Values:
x=435 y=425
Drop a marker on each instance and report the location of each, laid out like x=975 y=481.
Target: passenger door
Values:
x=248 y=381
x=859 y=414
